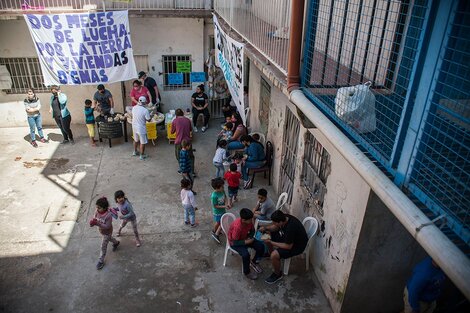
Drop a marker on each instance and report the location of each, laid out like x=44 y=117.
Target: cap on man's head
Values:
x=141 y=74
x=142 y=99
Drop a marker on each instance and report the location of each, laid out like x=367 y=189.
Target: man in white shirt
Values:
x=140 y=115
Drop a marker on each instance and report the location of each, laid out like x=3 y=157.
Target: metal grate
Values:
x=18 y=6
x=315 y=170
x=264 y=24
x=169 y=66
x=289 y=153
x=441 y=170
x=353 y=42
x=25 y=73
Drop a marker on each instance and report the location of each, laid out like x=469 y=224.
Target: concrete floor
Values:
x=48 y=252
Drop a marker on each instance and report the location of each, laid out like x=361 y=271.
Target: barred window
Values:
x=24 y=73
x=316 y=168
x=170 y=64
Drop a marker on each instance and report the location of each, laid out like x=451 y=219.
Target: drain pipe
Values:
x=295 y=44
x=452 y=261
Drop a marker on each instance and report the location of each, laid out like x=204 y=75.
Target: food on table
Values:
x=266 y=236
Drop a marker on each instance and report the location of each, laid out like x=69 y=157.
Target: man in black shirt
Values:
x=288 y=239
x=151 y=85
x=104 y=100
x=199 y=102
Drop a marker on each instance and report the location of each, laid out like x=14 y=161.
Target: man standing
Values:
x=423 y=287
x=140 y=116
x=182 y=127
x=152 y=87
x=61 y=114
x=288 y=239
x=199 y=102
x=104 y=100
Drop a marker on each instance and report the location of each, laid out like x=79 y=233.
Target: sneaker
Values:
x=100 y=265
x=273 y=278
x=64 y=142
x=43 y=140
x=186 y=222
x=215 y=237
x=193 y=225
x=72 y=142
x=247 y=184
x=256 y=267
x=116 y=245
x=135 y=153
x=34 y=144
x=143 y=156
x=195 y=129
x=137 y=243
x=252 y=275
x=203 y=129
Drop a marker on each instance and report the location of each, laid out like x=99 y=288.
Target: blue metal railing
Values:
x=349 y=43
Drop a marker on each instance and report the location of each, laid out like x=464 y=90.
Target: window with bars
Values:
x=289 y=153
x=25 y=73
x=170 y=66
x=315 y=170
x=264 y=104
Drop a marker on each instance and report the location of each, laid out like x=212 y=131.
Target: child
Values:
x=238 y=159
x=218 y=200
x=233 y=180
x=219 y=158
x=240 y=237
x=265 y=206
x=185 y=163
x=189 y=203
x=90 y=121
x=127 y=214
x=103 y=220
x=226 y=133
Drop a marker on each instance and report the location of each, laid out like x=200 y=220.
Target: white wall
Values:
x=152 y=36
x=345 y=201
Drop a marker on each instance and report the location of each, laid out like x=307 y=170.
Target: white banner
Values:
x=229 y=57
x=83 y=49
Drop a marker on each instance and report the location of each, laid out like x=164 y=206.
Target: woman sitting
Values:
x=254 y=157
x=239 y=130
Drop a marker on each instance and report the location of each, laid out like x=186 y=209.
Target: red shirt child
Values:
x=233 y=180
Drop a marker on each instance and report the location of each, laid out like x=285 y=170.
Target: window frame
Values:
x=25 y=73
x=169 y=67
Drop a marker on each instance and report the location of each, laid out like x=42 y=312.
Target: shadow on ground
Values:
x=49 y=252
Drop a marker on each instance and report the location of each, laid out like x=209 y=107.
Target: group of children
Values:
x=103 y=218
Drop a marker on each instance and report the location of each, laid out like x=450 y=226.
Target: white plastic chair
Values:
x=282 y=201
x=225 y=221
x=261 y=223
x=311 y=227
x=262 y=138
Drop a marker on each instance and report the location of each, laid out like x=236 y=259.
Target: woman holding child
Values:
x=239 y=130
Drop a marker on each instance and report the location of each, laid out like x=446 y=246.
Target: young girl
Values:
x=218 y=200
x=32 y=106
x=104 y=221
x=226 y=132
x=219 y=158
x=189 y=203
x=127 y=214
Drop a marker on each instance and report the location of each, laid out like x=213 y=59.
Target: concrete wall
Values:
x=385 y=256
x=151 y=36
x=345 y=203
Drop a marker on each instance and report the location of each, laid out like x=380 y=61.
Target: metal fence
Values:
x=264 y=24
x=20 y=6
x=440 y=172
x=413 y=119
